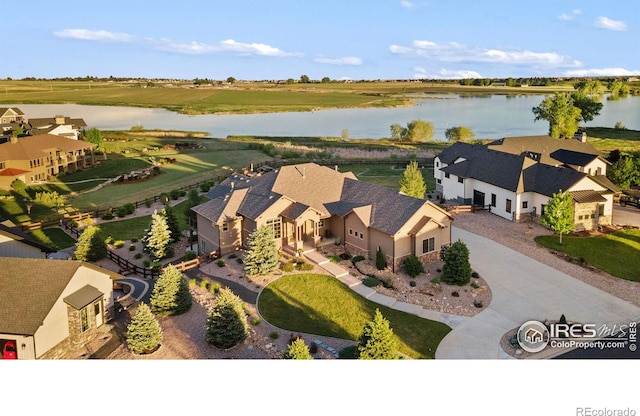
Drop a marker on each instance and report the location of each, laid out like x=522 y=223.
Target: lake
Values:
x=489 y=116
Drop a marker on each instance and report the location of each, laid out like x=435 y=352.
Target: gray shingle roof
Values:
x=83 y=297
x=547 y=179
x=542 y=145
x=587 y=196
x=571 y=157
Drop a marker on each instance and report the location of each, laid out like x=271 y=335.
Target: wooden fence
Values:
x=457 y=209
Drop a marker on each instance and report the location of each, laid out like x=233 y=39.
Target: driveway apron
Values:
x=524 y=289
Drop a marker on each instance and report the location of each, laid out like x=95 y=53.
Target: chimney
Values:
x=304 y=172
x=60 y=120
x=335 y=167
x=233 y=185
x=580 y=136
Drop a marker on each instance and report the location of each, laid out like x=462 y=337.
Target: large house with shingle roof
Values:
x=516 y=177
x=15 y=243
x=37 y=158
x=307 y=204
x=68 y=127
x=50 y=307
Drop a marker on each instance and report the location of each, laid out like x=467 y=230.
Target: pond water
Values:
x=489 y=116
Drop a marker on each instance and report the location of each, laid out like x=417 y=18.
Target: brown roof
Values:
x=542 y=146
x=39 y=123
x=3 y=110
x=587 y=196
x=30 y=287
x=12 y=172
x=33 y=147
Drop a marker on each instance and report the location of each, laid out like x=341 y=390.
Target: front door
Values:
x=97 y=309
x=478 y=198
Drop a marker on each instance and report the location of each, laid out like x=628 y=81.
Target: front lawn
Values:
x=387 y=175
x=617 y=254
x=322 y=305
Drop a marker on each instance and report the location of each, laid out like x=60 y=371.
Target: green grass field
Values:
x=387 y=175
x=54 y=238
x=254 y=97
x=607 y=139
x=617 y=254
x=322 y=305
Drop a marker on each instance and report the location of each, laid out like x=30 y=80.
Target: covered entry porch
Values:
x=302 y=228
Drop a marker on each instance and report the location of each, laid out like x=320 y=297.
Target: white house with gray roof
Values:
x=516 y=176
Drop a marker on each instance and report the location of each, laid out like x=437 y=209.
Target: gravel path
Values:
x=520 y=237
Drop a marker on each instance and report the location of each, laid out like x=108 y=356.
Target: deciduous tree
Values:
x=459 y=134
x=625 y=172
x=227 y=323
x=171 y=294
x=412 y=183
x=563 y=117
x=144 y=334
x=558 y=214
x=377 y=341
x=262 y=253
x=419 y=131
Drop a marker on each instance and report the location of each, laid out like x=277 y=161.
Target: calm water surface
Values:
x=489 y=116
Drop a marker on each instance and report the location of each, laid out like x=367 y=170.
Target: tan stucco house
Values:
x=516 y=176
x=51 y=307
x=307 y=204
x=68 y=127
x=15 y=243
x=37 y=158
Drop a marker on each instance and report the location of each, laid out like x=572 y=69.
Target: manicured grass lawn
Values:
x=617 y=254
x=386 y=175
x=54 y=238
x=607 y=139
x=322 y=305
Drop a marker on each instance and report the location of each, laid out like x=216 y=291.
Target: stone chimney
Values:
x=580 y=136
x=60 y=120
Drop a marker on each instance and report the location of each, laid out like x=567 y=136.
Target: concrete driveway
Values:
x=628 y=215
x=524 y=289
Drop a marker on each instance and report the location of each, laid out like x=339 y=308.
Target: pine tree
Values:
x=227 y=322
x=297 y=350
x=172 y=222
x=144 y=334
x=456 y=269
x=558 y=214
x=171 y=294
x=381 y=262
x=262 y=254
x=91 y=245
x=158 y=237
x=376 y=341
x=412 y=182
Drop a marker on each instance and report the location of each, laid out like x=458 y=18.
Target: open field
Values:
x=620 y=245
x=607 y=139
x=322 y=305
x=387 y=175
x=241 y=97
x=54 y=238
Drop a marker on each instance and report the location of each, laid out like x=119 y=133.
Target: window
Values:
x=276 y=224
x=542 y=207
x=593 y=216
x=460 y=180
x=350 y=231
x=508 y=208
x=439 y=180
x=525 y=204
x=361 y=236
x=84 y=320
x=203 y=246
x=493 y=200
x=446 y=175
x=321 y=223
x=600 y=209
x=225 y=226
x=428 y=245
x=437 y=164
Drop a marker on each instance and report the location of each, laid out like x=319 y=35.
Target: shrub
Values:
x=313 y=349
x=18 y=185
x=239 y=260
x=357 y=259
x=297 y=350
x=413 y=266
x=174 y=194
x=412 y=283
x=335 y=259
x=156 y=265
x=215 y=288
x=107 y=216
x=474 y=285
x=477 y=303
x=132 y=248
x=121 y=212
x=118 y=244
x=147 y=203
x=190 y=255
x=455 y=294
x=134 y=240
x=349 y=353
x=381 y=262
x=129 y=208
x=457 y=269
x=255 y=321
x=345 y=256
x=192 y=282
x=274 y=335
x=137 y=256
x=286 y=267
x=233 y=255
x=146 y=263
x=388 y=283
x=204 y=187
x=475 y=275
x=436 y=280
x=304 y=266
x=370 y=281
x=204 y=285
x=221 y=263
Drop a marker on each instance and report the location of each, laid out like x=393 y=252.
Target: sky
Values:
x=339 y=39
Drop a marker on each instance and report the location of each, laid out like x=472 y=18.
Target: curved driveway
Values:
x=524 y=289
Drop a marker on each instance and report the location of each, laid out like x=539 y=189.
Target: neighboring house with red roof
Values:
x=37 y=158
x=516 y=177
x=51 y=307
x=307 y=204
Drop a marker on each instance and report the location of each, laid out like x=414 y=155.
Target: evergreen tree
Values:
x=381 y=262
x=91 y=245
x=172 y=222
x=412 y=182
x=171 y=294
x=262 y=254
x=558 y=214
x=227 y=322
x=376 y=341
x=144 y=334
x=456 y=269
x=297 y=350
x=158 y=237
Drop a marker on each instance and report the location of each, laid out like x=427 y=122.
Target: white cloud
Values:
x=347 y=60
x=407 y=4
x=189 y=48
x=606 y=23
x=95 y=35
x=595 y=72
x=574 y=13
x=421 y=73
x=456 y=52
